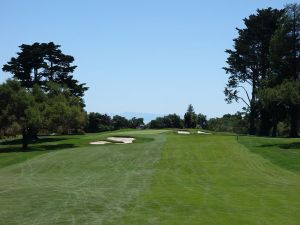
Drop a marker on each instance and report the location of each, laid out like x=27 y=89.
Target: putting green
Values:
x=162 y=178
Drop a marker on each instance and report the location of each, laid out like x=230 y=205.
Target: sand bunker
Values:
x=121 y=140
x=202 y=132
x=100 y=143
x=183 y=132
x=114 y=140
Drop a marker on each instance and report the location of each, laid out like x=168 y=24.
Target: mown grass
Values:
x=212 y=179
x=82 y=185
x=11 y=151
x=163 y=178
x=283 y=152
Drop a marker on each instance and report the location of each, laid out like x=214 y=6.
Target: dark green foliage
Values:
x=236 y=123
x=28 y=110
x=19 y=107
x=266 y=56
x=281 y=100
x=285 y=61
x=40 y=63
x=102 y=122
x=190 y=118
x=158 y=123
x=99 y=122
x=136 y=122
x=202 y=121
x=285 y=45
x=120 y=122
x=46 y=99
x=169 y=121
x=248 y=62
x=63 y=112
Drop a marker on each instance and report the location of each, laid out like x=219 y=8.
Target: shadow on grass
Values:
x=35 y=148
x=293 y=145
x=38 y=141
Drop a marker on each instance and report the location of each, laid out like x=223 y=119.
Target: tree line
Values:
x=236 y=123
x=97 y=122
x=191 y=120
x=264 y=70
x=42 y=96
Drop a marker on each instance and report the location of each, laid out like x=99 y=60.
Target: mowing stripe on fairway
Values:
x=163 y=178
x=215 y=180
x=87 y=185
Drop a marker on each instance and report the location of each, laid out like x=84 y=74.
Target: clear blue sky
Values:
x=154 y=56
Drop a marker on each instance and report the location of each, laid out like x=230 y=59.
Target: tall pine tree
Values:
x=248 y=62
x=42 y=62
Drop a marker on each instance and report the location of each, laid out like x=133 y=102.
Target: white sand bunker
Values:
x=100 y=143
x=202 y=132
x=121 y=140
x=114 y=140
x=183 y=132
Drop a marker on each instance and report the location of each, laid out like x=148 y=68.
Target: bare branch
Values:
x=244 y=101
x=249 y=82
x=246 y=93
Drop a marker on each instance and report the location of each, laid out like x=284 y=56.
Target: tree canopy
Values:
x=190 y=118
x=55 y=111
x=169 y=121
x=40 y=63
x=248 y=62
x=266 y=55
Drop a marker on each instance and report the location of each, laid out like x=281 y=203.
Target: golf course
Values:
x=150 y=112
x=161 y=178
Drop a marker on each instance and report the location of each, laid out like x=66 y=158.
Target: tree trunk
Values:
x=252 y=115
x=35 y=75
x=24 y=139
x=274 y=130
x=265 y=123
x=252 y=129
x=294 y=123
x=33 y=134
x=51 y=70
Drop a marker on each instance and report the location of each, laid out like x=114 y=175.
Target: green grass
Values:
x=163 y=178
x=11 y=151
x=215 y=180
x=83 y=185
x=283 y=152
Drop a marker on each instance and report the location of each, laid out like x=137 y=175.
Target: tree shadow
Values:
x=293 y=145
x=38 y=141
x=41 y=144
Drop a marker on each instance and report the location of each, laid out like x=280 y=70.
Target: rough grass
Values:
x=163 y=178
x=283 y=152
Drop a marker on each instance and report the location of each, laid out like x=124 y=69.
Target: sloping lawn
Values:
x=284 y=152
x=163 y=178
x=215 y=180
x=83 y=185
